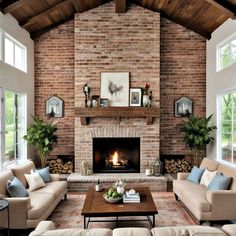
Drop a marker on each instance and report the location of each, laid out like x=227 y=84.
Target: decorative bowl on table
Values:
x=112 y=196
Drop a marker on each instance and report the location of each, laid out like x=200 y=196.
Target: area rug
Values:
x=170 y=213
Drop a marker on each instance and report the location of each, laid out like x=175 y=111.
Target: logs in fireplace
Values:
x=114 y=155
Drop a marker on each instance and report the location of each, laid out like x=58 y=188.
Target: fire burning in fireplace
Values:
x=115 y=160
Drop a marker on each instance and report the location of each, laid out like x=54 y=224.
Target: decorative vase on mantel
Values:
x=145 y=100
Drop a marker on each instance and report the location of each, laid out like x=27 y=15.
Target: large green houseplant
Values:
x=197 y=133
x=42 y=136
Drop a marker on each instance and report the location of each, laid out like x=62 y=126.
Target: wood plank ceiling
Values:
x=200 y=16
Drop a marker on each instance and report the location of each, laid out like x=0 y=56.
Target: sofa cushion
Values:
x=195 y=175
x=39 y=204
x=55 y=188
x=22 y=169
x=193 y=193
x=34 y=181
x=207 y=177
x=187 y=231
x=211 y=165
x=44 y=173
x=219 y=182
x=229 y=172
x=74 y=232
x=4 y=177
x=131 y=232
x=16 y=189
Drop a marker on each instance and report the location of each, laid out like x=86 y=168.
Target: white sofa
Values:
x=47 y=228
x=27 y=212
x=208 y=205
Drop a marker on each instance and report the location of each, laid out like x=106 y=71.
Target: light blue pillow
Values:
x=44 y=173
x=16 y=189
x=195 y=175
x=219 y=182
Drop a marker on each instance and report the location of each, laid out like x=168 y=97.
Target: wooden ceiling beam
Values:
x=8 y=4
x=37 y=33
x=226 y=7
x=120 y=6
x=22 y=23
x=37 y=17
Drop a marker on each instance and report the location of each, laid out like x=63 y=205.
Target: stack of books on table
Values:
x=131 y=197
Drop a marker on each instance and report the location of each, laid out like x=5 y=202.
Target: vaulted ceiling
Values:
x=200 y=16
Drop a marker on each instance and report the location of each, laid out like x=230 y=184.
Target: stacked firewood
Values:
x=58 y=166
x=174 y=166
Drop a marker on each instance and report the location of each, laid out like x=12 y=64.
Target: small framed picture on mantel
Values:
x=135 y=97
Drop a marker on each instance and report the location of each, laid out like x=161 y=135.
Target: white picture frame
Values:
x=115 y=87
x=135 y=97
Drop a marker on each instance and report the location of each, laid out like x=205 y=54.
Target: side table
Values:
x=4 y=204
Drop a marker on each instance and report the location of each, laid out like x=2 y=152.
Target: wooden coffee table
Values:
x=96 y=206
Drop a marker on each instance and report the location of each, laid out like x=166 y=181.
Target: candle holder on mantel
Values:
x=86 y=90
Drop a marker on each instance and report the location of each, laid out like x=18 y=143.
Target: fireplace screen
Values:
x=114 y=155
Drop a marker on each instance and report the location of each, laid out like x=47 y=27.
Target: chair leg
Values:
x=176 y=197
x=65 y=197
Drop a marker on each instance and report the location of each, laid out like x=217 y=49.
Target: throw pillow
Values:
x=34 y=181
x=44 y=173
x=16 y=189
x=220 y=182
x=195 y=175
x=207 y=177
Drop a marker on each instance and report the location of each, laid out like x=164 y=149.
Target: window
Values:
x=12 y=52
x=227 y=127
x=226 y=53
x=14 y=126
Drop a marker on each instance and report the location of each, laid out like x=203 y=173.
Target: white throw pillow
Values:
x=34 y=181
x=207 y=177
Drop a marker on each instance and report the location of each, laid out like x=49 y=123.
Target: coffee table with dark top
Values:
x=96 y=206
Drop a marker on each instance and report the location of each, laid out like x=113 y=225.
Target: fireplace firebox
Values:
x=116 y=155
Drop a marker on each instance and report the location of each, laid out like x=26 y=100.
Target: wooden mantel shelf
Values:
x=120 y=112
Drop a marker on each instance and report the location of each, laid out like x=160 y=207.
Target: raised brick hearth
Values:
x=106 y=41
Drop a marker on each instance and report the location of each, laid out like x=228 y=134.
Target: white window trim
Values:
x=4 y=35
x=218 y=54
x=219 y=122
x=2 y=129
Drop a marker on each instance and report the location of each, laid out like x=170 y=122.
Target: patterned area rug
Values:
x=170 y=213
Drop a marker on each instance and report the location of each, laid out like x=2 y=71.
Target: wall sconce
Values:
x=183 y=107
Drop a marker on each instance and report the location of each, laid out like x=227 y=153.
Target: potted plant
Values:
x=42 y=136
x=197 y=133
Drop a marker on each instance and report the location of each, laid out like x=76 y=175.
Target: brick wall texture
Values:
x=76 y=52
x=54 y=75
x=183 y=73
x=106 y=41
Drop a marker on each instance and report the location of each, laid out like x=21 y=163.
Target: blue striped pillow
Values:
x=219 y=182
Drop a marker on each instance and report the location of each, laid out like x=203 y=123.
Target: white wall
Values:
x=218 y=82
x=13 y=78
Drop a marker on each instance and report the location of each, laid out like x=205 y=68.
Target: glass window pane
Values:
x=226 y=154
x=9 y=52
x=19 y=57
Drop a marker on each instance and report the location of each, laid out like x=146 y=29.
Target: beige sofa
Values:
x=47 y=228
x=27 y=212
x=208 y=205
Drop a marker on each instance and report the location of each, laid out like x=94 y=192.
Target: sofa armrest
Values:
x=42 y=227
x=18 y=211
x=182 y=175
x=54 y=177
x=230 y=229
x=223 y=202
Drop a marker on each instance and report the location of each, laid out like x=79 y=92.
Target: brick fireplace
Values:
x=106 y=41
